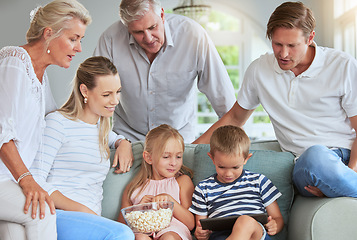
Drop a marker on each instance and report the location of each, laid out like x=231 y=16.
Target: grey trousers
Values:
x=15 y=224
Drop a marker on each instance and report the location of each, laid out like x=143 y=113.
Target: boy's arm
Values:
x=201 y=234
x=275 y=220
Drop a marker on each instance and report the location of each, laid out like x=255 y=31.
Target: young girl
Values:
x=161 y=179
x=73 y=163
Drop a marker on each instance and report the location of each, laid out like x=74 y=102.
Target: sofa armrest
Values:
x=323 y=218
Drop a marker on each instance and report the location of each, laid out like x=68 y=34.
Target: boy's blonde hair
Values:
x=155 y=143
x=230 y=140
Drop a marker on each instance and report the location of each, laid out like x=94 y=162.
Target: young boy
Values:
x=235 y=191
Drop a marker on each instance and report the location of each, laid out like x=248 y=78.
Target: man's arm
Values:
x=236 y=116
x=353 y=157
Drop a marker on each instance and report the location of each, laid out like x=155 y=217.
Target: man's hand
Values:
x=315 y=191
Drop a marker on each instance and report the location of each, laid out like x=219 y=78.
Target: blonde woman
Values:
x=54 y=38
x=74 y=161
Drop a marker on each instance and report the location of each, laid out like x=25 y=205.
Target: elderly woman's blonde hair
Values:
x=56 y=15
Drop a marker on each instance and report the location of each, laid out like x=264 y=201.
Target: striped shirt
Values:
x=70 y=160
x=251 y=193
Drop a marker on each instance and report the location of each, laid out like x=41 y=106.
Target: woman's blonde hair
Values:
x=56 y=15
x=291 y=15
x=155 y=143
x=73 y=108
x=230 y=140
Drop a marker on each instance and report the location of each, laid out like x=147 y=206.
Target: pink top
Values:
x=168 y=186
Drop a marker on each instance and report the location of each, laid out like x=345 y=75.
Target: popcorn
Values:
x=149 y=221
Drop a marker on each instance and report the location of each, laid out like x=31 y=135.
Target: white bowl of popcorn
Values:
x=148 y=217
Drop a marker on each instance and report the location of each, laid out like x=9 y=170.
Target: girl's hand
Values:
x=123 y=158
x=271 y=226
x=146 y=199
x=201 y=234
x=163 y=197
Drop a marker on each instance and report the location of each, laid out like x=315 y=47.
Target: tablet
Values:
x=226 y=223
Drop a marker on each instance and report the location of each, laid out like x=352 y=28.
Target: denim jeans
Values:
x=327 y=170
x=79 y=225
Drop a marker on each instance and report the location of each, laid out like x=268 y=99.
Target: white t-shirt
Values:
x=23 y=104
x=312 y=108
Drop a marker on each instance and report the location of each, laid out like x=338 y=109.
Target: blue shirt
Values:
x=251 y=193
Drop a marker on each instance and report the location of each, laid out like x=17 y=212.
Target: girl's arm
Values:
x=275 y=220
x=125 y=202
x=181 y=211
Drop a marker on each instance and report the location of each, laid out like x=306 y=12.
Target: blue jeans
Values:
x=79 y=225
x=327 y=170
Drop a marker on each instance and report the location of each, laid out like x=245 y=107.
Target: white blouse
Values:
x=24 y=101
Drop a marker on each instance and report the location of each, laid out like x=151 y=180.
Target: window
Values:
x=346 y=26
x=238 y=41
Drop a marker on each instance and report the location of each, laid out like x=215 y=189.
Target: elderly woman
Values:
x=54 y=38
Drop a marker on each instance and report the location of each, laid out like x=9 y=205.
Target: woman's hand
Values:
x=36 y=196
x=123 y=156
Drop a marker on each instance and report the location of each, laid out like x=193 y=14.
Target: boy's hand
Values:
x=201 y=234
x=271 y=226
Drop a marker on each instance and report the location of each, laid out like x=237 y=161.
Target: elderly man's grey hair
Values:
x=132 y=10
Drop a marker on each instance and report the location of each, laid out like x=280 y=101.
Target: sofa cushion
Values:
x=277 y=166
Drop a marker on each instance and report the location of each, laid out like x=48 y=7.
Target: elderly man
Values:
x=158 y=57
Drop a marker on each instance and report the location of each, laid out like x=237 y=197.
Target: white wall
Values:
x=14 y=22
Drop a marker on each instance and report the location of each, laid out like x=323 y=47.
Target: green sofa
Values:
x=305 y=218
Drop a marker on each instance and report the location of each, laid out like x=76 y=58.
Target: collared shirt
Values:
x=23 y=104
x=164 y=91
x=311 y=108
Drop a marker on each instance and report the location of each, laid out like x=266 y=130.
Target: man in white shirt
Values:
x=310 y=94
x=158 y=57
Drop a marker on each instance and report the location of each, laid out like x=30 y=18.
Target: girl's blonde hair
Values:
x=73 y=108
x=56 y=15
x=155 y=143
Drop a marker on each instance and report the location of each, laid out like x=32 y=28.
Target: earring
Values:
x=48 y=51
x=85 y=100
